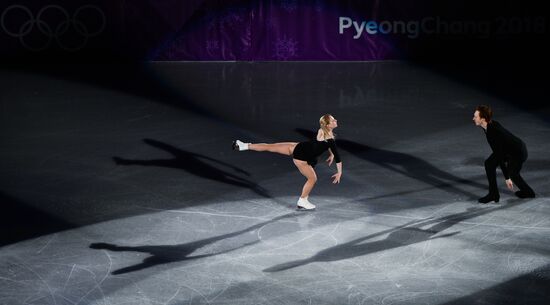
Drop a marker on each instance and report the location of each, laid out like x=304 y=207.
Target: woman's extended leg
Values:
x=311 y=177
x=284 y=148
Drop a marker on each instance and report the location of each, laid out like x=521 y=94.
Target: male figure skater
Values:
x=509 y=152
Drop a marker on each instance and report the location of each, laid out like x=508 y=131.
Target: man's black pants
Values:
x=514 y=164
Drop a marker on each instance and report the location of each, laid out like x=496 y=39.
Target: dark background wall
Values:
x=100 y=30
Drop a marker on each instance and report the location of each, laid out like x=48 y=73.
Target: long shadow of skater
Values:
x=406 y=165
x=195 y=164
x=404 y=235
x=165 y=254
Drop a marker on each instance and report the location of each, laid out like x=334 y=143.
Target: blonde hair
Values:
x=323 y=122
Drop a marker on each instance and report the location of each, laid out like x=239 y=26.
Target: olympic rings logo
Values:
x=61 y=30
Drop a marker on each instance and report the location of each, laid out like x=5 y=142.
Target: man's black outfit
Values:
x=509 y=152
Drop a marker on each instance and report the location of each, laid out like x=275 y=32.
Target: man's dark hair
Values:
x=485 y=112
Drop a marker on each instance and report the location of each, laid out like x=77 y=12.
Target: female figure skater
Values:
x=304 y=155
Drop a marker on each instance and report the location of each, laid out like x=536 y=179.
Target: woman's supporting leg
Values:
x=284 y=148
x=309 y=173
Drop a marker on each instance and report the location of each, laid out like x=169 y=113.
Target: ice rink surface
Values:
x=126 y=190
